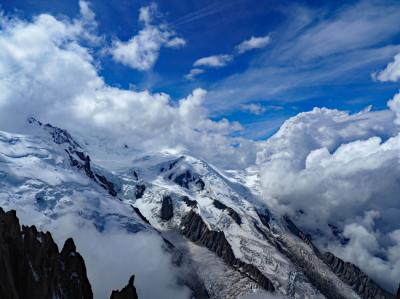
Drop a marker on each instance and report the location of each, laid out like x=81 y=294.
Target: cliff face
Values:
x=32 y=266
x=194 y=228
x=353 y=276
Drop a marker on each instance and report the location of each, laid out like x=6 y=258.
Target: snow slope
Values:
x=128 y=213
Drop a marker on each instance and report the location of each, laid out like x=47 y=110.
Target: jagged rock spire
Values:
x=33 y=268
x=128 y=292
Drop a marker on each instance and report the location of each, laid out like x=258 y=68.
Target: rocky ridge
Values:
x=33 y=267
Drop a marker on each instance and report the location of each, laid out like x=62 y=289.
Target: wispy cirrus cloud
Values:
x=214 y=61
x=314 y=48
x=254 y=108
x=193 y=73
x=221 y=60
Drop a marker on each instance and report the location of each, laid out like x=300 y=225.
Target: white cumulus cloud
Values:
x=340 y=169
x=253 y=43
x=47 y=72
x=142 y=50
x=391 y=72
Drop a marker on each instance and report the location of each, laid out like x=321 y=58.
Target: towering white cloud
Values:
x=142 y=50
x=340 y=169
x=253 y=43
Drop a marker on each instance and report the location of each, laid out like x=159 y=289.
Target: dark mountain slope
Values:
x=32 y=266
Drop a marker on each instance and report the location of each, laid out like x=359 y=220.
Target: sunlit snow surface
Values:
x=37 y=179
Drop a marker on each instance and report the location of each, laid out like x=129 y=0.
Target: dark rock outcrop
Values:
x=106 y=184
x=167 y=210
x=353 y=276
x=189 y=202
x=172 y=164
x=265 y=217
x=347 y=272
x=398 y=293
x=139 y=191
x=58 y=135
x=128 y=292
x=299 y=233
x=231 y=212
x=75 y=153
x=303 y=259
x=219 y=205
x=32 y=266
x=137 y=211
x=85 y=164
x=185 y=179
x=194 y=228
x=234 y=215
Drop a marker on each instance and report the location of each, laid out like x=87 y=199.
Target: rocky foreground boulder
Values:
x=32 y=266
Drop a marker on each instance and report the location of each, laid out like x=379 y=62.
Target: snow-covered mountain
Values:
x=207 y=231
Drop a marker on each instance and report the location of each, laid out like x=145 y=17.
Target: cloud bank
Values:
x=331 y=167
x=47 y=72
x=140 y=254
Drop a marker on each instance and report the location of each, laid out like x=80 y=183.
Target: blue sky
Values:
x=320 y=53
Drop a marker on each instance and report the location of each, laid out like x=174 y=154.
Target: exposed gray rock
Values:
x=128 y=292
x=186 y=178
x=297 y=232
x=106 y=184
x=353 y=276
x=234 y=215
x=139 y=191
x=33 y=268
x=85 y=164
x=219 y=205
x=265 y=217
x=137 y=211
x=194 y=228
x=305 y=261
x=189 y=202
x=167 y=210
